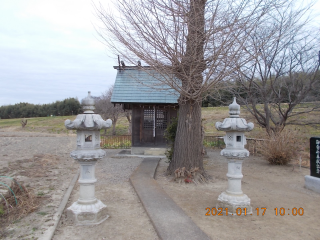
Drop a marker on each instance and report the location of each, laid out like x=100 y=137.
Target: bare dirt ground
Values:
x=42 y=162
x=267 y=186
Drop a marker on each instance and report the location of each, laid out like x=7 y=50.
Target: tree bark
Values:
x=188 y=143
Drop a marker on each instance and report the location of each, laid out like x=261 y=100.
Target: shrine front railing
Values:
x=124 y=142
x=115 y=142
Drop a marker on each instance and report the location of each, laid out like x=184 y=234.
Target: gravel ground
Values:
x=128 y=219
x=42 y=162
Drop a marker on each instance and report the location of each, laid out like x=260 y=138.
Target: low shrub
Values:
x=210 y=142
x=170 y=135
x=279 y=149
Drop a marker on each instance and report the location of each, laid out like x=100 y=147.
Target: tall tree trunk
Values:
x=188 y=143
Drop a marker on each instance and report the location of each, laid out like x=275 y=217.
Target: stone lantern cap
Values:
x=234 y=122
x=88 y=120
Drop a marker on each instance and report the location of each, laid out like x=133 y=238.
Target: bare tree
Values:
x=24 y=122
x=193 y=44
x=282 y=72
x=128 y=114
x=107 y=110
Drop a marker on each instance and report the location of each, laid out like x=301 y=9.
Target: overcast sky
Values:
x=49 y=51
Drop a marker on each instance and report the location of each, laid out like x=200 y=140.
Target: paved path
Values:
x=169 y=220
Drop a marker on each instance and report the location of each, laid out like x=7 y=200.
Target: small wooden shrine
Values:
x=153 y=104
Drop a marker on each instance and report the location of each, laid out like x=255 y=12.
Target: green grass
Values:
x=1 y=210
x=40 y=193
x=210 y=116
x=40 y=124
x=218 y=143
x=42 y=213
x=10 y=122
x=121 y=127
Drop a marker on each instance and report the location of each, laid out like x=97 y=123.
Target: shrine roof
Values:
x=141 y=85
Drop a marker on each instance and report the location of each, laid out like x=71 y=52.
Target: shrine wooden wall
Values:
x=149 y=123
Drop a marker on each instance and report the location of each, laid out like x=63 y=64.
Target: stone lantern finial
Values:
x=234 y=109
x=88 y=104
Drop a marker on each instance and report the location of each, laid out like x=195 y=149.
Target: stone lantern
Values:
x=88 y=209
x=234 y=126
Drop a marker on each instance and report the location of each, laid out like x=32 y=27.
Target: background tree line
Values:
x=223 y=95
x=69 y=106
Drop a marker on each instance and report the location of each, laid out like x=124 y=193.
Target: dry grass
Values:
x=46 y=160
x=280 y=149
x=16 y=206
x=27 y=199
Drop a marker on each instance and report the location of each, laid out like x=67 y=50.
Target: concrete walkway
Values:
x=169 y=220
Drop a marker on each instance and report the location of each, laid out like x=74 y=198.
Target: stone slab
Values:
x=147 y=151
x=155 y=151
x=312 y=183
x=169 y=220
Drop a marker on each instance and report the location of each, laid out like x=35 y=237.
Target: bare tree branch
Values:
x=194 y=45
x=107 y=110
x=284 y=71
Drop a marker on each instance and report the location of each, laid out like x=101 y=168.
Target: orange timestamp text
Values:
x=258 y=211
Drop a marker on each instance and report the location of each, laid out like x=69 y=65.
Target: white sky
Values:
x=49 y=51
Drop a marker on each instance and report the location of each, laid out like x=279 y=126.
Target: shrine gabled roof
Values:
x=137 y=85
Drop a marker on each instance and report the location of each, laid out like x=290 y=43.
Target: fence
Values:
x=218 y=142
x=124 y=141
x=213 y=142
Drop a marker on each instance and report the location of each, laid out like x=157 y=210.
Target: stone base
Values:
x=233 y=202
x=86 y=214
x=312 y=183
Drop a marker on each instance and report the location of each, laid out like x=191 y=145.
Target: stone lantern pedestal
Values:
x=87 y=210
x=233 y=199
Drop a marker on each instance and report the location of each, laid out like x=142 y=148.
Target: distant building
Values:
x=153 y=105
